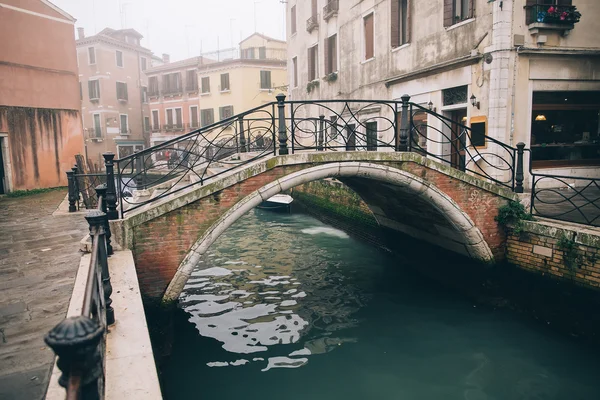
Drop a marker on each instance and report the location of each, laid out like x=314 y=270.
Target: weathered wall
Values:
x=559 y=251
x=161 y=240
x=43 y=144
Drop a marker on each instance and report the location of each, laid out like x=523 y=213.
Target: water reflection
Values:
x=250 y=308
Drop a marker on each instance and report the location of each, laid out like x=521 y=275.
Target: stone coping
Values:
x=130 y=368
x=583 y=234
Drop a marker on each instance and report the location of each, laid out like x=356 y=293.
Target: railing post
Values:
x=283 y=149
x=519 y=171
x=72 y=193
x=242 y=135
x=75 y=341
x=75 y=170
x=101 y=194
x=139 y=177
x=404 y=125
x=111 y=193
x=97 y=221
x=321 y=131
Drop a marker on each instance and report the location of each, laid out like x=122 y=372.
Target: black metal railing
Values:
x=80 y=341
x=331 y=8
x=552 y=14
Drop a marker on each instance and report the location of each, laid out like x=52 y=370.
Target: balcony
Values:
x=172 y=91
x=312 y=23
x=155 y=128
x=552 y=18
x=154 y=93
x=191 y=87
x=173 y=127
x=95 y=134
x=192 y=125
x=331 y=9
x=125 y=132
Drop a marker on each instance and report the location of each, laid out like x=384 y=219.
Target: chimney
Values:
x=80 y=33
x=166 y=58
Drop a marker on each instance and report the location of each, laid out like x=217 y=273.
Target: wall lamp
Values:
x=430 y=106
x=474 y=102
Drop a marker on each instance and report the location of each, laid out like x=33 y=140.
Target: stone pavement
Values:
x=39 y=257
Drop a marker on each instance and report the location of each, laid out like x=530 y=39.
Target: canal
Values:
x=286 y=307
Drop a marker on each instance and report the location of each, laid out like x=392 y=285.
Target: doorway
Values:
x=2 y=168
x=458 y=139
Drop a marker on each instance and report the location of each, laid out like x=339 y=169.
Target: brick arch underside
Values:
x=399 y=200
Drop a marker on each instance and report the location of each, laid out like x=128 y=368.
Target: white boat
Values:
x=278 y=202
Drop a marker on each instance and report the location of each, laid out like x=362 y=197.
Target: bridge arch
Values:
x=468 y=235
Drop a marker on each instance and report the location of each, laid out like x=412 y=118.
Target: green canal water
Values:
x=286 y=307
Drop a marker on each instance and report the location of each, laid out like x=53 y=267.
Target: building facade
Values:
x=203 y=90
x=40 y=118
x=529 y=72
x=114 y=93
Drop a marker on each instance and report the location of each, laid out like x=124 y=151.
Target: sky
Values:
x=181 y=28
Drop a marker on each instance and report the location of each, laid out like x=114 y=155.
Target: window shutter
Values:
x=327 y=65
x=311 y=65
x=408 y=20
x=333 y=50
x=529 y=10
x=472 y=8
x=448 y=11
x=369 y=37
x=90 y=89
x=395 y=23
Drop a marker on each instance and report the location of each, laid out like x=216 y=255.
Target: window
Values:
x=313 y=62
x=146 y=124
x=178 y=118
x=193 y=116
x=293 y=19
x=206 y=84
x=350 y=137
x=225 y=112
x=172 y=83
x=191 y=81
x=94 y=89
x=97 y=132
x=122 y=91
x=262 y=53
x=155 y=121
x=248 y=53
x=92 y=55
x=124 y=124
x=144 y=63
x=371 y=136
x=314 y=8
x=265 y=79
x=119 y=58
x=331 y=54
x=224 y=82
x=536 y=9
x=455 y=95
x=80 y=91
x=144 y=94
x=400 y=23
x=295 y=71
x=458 y=10
x=369 y=39
x=169 y=114
x=565 y=129
x=153 y=86
x=207 y=116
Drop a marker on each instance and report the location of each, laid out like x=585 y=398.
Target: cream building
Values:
x=529 y=71
x=215 y=86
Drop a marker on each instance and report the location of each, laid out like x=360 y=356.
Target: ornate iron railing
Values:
x=79 y=341
x=331 y=9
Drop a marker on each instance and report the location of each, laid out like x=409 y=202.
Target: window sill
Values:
x=266 y=90
x=459 y=24
x=536 y=27
x=405 y=45
x=225 y=91
x=205 y=94
x=367 y=61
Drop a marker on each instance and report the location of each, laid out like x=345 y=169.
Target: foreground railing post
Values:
x=72 y=193
x=404 y=125
x=75 y=170
x=139 y=177
x=321 y=132
x=111 y=193
x=519 y=176
x=101 y=194
x=283 y=149
x=242 y=135
x=97 y=221
x=75 y=341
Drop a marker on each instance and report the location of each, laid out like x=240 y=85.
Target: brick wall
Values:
x=544 y=248
x=160 y=244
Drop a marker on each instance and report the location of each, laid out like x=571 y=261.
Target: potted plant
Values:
x=559 y=15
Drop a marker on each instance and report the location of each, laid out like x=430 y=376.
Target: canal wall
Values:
x=559 y=250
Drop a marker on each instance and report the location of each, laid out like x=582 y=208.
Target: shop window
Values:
x=565 y=129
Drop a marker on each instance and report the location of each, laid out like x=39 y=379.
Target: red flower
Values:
x=563 y=16
x=551 y=9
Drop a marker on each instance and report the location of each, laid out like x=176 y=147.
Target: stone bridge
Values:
x=405 y=191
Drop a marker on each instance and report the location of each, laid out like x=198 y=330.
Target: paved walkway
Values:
x=39 y=257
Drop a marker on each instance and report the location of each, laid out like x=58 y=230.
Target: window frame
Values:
x=222 y=108
x=126 y=98
x=152 y=113
x=97 y=84
x=143 y=63
x=295 y=71
x=329 y=67
x=270 y=81
x=314 y=57
x=117 y=52
x=365 y=49
x=212 y=110
x=93 y=51
x=121 y=124
x=228 y=89
x=197 y=113
x=293 y=20
x=202 y=91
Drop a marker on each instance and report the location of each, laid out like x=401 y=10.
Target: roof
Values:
x=107 y=35
x=188 y=62
x=114 y=32
x=267 y=38
x=59 y=10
